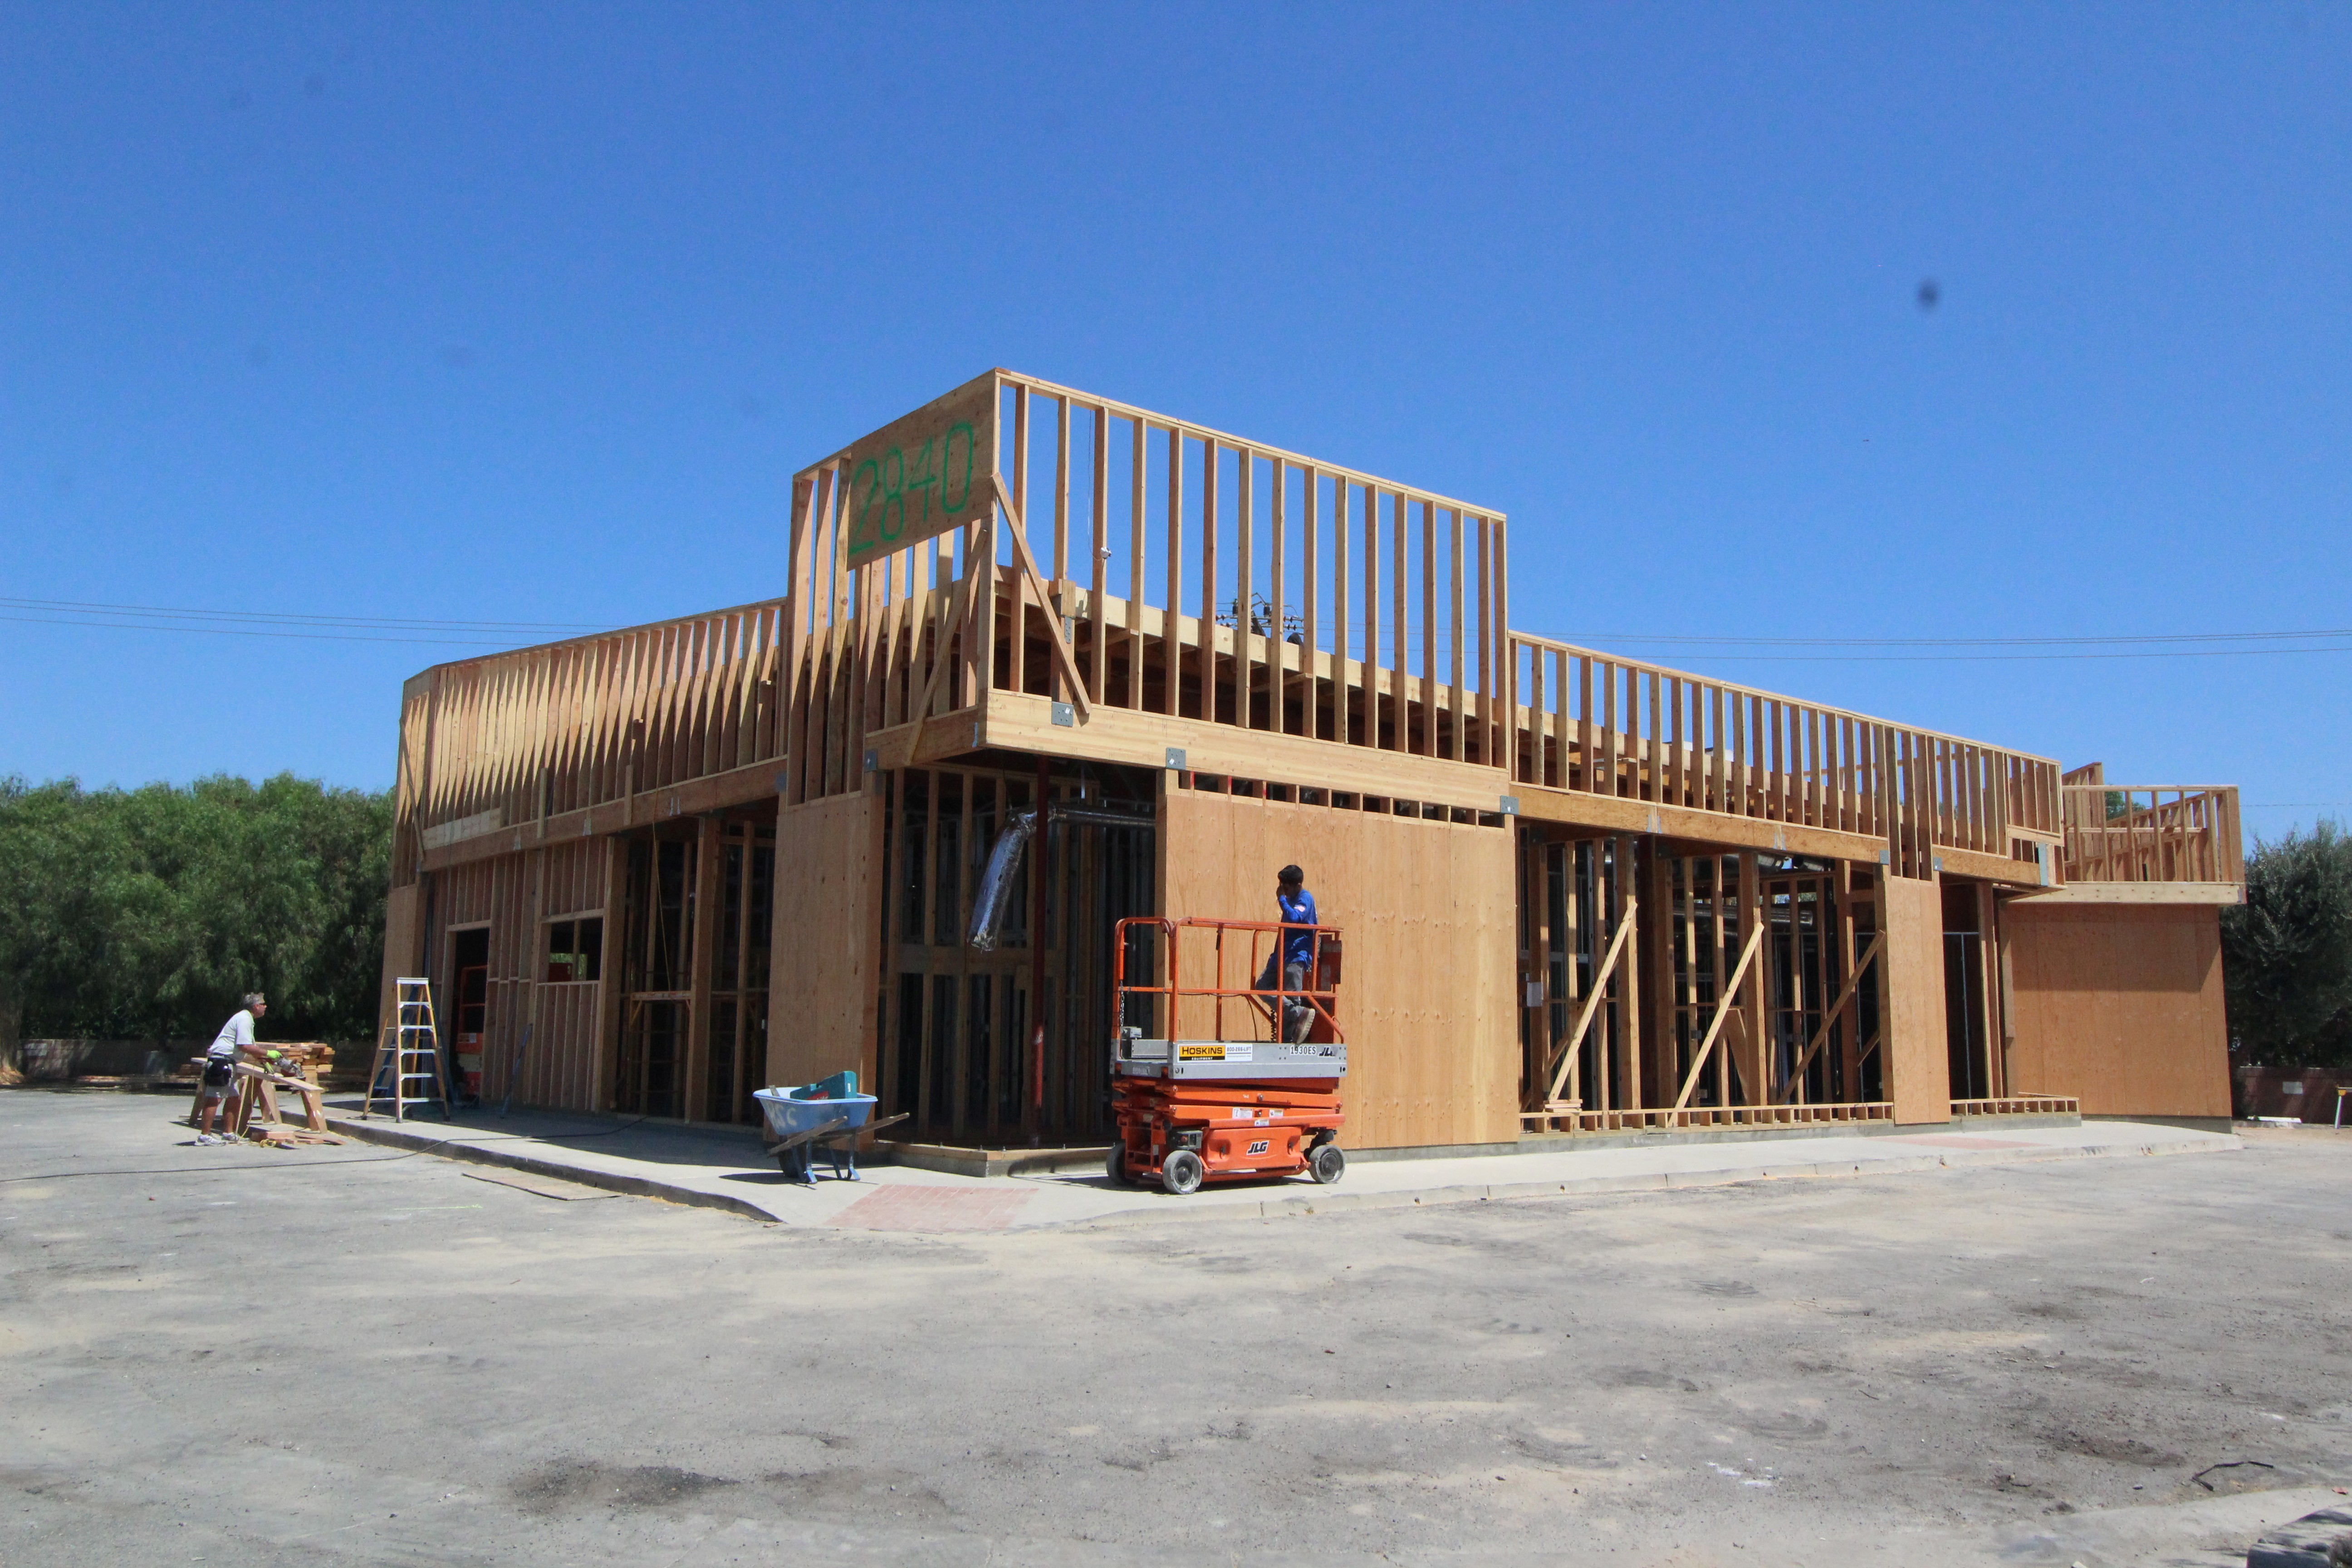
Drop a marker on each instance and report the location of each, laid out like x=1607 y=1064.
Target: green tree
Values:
x=2287 y=951
x=147 y=912
x=57 y=925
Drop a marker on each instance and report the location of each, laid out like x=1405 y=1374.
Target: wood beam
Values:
x=737 y=786
x=1120 y=735
x=1714 y=830
x=2140 y=893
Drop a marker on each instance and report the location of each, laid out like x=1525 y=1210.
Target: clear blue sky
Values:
x=527 y=313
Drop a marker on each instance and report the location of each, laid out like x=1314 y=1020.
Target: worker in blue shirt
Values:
x=1296 y=947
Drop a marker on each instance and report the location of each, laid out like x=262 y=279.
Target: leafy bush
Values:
x=145 y=913
x=2287 y=951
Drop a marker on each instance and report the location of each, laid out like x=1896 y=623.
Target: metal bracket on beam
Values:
x=1510 y=805
x=1065 y=715
x=873 y=761
x=1176 y=758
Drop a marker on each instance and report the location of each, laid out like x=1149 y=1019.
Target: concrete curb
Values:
x=1647 y=1180
x=981 y=1162
x=1303 y=1204
x=398 y=1136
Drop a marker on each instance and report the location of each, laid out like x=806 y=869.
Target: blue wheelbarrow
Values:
x=828 y=1116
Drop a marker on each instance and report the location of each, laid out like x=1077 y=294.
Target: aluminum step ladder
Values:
x=410 y=1052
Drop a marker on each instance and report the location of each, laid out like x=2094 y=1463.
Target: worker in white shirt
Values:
x=235 y=1038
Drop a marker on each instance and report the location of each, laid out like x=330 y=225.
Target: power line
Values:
x=1963 y=642
x=285 y=619
x=239 y=632
x=502 y=636
x=2002 y=657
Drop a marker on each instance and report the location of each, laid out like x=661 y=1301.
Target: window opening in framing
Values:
x=575 y=949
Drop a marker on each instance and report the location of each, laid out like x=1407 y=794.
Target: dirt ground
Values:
x=349 y=1356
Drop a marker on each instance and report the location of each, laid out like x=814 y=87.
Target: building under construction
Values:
x=652 y=871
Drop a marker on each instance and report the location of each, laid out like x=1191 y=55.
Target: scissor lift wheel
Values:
x=1327 y=1164
x=1181 y=1172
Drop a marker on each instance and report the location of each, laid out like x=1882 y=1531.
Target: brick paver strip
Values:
x=905 y=1206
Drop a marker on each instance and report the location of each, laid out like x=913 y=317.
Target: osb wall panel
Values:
x=827 y=955
x=2119 y=1005
x=1918 y=1047
x=1428 y=913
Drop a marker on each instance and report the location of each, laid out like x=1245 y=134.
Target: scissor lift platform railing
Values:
x=1229 y=1060
x=1193 y=1108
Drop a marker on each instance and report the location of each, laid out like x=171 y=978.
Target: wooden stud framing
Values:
x=1171 y=640
x=584 y=738
x=1099 y=502
x=1206 y=626
x=1244 y=612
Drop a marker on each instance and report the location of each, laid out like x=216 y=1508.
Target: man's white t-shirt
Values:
x=237 y=1032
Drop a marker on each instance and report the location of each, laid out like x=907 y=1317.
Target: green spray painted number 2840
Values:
x=882 y=487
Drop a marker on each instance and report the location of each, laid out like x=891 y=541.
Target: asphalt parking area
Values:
x=352 y=1355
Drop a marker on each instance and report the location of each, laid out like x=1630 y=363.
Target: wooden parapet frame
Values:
x=1021 y=566
x=2119 y=836
x=588 y=735
x=1620 y=745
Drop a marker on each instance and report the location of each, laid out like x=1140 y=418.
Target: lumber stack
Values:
x=257 y=1090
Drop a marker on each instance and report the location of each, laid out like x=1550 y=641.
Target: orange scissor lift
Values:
x=1243 y=1101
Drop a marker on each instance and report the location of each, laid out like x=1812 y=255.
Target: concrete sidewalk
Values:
x=726 y=1168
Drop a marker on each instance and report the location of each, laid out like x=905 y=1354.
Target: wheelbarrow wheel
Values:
x=1115 y=1165
x=1181 y=1172
x=1327 y=1164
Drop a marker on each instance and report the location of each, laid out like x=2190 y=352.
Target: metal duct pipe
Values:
x=994 y=899
x=994 y=896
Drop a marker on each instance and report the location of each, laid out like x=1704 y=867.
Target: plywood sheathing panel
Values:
x=826 y=953
x=1429 y=916
x=1918 y=1062
x=2119 y=1006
